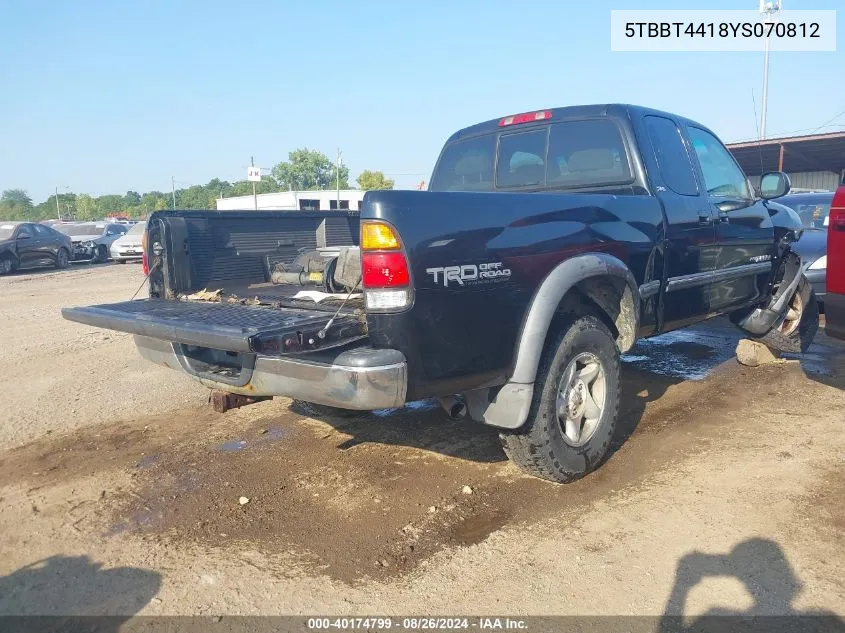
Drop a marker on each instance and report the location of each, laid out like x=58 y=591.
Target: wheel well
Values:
x=611 y=300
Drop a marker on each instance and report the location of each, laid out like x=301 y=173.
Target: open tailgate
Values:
x=229 y=327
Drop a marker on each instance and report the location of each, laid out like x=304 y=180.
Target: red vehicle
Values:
x=835 y=300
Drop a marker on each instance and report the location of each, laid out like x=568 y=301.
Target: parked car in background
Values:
x=91 y=240
x=835 y=306
x=813 y=210
x=31 y=245
x=128 y=247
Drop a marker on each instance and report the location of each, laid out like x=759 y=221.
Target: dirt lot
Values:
x=119 y=489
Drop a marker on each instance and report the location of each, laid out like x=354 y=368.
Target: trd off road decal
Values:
x=469 y=274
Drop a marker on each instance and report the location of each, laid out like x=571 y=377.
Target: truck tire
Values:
x=797 y=331
x=576 y=400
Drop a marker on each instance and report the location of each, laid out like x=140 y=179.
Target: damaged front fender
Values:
x=761 y=320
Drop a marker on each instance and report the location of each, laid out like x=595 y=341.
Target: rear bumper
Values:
x=360 y=378
x=834 y=315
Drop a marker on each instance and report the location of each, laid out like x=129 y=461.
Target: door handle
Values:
x=705 y=220
x=724 y=218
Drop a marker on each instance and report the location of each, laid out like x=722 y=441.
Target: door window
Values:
x=722 y=176
x=24 y=231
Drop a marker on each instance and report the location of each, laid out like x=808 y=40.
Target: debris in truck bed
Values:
x=317 y=296
x=205 y=295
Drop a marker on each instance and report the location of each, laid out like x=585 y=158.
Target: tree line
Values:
x=305 y=170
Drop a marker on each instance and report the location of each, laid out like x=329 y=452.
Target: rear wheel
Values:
x=576 y=400
x=62 y=259
x=798 y=329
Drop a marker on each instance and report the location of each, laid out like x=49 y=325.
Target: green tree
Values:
x=131 y=199
x=110 y=204
x=308 y=169
x=369 y=180
x=87 y=208
x=15 y=204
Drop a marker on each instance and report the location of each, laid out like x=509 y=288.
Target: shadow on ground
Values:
x=762 y=567
x=76 y=585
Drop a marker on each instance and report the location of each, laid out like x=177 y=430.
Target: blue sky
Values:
x=109 y=96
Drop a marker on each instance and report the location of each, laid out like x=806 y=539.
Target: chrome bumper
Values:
x=361 y=378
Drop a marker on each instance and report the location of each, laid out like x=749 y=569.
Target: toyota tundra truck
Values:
x=547 y=244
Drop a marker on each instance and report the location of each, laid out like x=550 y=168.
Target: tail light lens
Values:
x=145 y=262
x=385 y=274
x=836 y=243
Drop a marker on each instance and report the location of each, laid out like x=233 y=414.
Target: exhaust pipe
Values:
x=454 y=408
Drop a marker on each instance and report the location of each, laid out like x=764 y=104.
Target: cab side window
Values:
x=722 y=176
x=672 y=156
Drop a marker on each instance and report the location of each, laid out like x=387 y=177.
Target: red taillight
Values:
x=384 y=270
x=836 y=244
x=526 y=117
x=145 y=264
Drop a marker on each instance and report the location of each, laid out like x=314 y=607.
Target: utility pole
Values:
x=58 y=211
x=768 y=9
x=338 y=177
x=254 y=195
x=173 y=189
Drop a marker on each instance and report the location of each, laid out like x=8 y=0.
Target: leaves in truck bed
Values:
x=205 y=295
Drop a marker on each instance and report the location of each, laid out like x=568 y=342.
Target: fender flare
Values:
x=510 y=407
x=548 y=296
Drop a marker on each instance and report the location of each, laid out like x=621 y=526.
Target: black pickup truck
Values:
x=547 y=244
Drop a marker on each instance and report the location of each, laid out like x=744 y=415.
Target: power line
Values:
x=826 y=123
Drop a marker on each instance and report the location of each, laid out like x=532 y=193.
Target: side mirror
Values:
x=774 y=185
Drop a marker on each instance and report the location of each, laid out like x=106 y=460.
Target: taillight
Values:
x=526 y=117
x=384 y=268
x=836 y=243
x=145 y=262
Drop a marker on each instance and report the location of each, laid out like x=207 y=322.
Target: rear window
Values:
x=570 y=154
x=522 y=159
x=587 y=153
x=466 y=166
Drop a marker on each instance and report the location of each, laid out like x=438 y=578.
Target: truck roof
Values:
x=622 y=110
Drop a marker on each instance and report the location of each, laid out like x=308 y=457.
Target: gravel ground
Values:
x=119 y=489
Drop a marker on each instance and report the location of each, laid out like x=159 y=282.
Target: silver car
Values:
x=91 y=240
x=128 y=248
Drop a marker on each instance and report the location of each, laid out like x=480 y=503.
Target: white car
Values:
x=128 y=248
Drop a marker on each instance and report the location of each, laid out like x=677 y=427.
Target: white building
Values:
x=325 y=200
